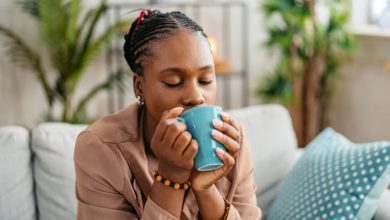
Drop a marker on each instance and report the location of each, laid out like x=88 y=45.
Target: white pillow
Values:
x=383 y=211
x=53 y=145
x=16 y=178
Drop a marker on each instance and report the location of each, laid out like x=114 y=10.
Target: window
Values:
x=370 y=17
x=377 y=8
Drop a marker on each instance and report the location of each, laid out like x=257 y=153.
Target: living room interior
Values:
x=267 y=54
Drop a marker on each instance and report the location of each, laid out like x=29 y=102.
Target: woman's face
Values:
x=180 y=73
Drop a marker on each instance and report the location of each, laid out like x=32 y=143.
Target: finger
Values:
x=162 y=128
x=230 y=120
x=181 y=142
x=227 y=159
x=227 y=129
x=164 y=123
x=172 y=133
x=231 y=145
x=191 y=150
x=172 y=113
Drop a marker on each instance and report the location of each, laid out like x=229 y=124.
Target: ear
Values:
x=138 y=85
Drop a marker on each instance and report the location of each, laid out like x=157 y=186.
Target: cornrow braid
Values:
x=155 y=27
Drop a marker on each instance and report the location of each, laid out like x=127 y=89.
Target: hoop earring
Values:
x=141 y=101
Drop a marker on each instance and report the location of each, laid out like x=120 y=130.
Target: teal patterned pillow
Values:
x=334 y=179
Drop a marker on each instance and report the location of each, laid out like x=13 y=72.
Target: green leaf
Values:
x=53 y=27
x=293 y=30
x=30 y=7
x=113 y=79
x=87 y=19
x=277 y=87
x=73 y=17
x=92 y=50
x=23 y=55
x=90 y=27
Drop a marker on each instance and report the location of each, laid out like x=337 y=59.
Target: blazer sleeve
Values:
x=100 y=185
x=244 y=204
x=99 y=181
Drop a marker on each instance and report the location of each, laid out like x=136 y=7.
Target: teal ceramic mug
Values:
x=199 y=122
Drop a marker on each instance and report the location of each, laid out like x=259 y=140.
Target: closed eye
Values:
x=205 y=82
x=173 y=85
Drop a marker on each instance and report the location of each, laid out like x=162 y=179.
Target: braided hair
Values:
x=154 y=27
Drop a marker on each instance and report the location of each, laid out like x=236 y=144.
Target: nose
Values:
x=193 y=96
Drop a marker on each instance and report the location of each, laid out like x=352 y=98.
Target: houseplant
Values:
x=313 y=40
x=70 y=38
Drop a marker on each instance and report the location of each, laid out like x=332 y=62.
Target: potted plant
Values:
x=71 y=42
x=313 y=40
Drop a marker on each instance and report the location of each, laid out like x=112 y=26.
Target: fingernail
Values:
x=216 y=133
x=178 y=108
x=217 y=123
x=225 y=115
x=219 y=151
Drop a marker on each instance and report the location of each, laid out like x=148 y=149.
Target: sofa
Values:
x=37 y=177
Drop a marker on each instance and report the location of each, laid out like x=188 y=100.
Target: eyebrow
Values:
x=181 y=70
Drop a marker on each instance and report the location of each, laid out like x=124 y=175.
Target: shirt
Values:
x=113 y=174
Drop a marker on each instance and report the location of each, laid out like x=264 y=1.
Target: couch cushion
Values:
x=270 y=132
x=53 y=146
x=383 y=211
x=334 y=179
x=16 y=178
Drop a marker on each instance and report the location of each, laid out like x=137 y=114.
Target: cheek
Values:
x=211 y=97
x=158 y=99
x=159 y=94
x=210 y=94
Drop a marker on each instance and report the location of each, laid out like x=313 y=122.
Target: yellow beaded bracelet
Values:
x=169 y=183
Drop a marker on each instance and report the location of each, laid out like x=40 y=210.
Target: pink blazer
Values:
x=113 y=175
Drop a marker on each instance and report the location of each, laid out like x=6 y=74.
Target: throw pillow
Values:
x=53 y=146
x=16 y=175
x=334 y=179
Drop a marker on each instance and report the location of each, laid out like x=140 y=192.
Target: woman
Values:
x=115 y=156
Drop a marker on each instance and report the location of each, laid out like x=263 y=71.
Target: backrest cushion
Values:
x=334 y=179
x=16 y=177
x=383 y=211
x=53 y=146
x=274 y=147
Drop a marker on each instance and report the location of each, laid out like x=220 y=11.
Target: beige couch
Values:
x=37 y=178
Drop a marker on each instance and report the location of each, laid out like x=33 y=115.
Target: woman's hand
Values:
x=174 y=147
x=227 y=132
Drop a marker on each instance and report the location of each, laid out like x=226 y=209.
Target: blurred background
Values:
x=328 y=61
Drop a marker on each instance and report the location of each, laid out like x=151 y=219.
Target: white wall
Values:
x=360 y=108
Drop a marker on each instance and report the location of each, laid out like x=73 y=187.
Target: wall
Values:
x=361 y=104
x=360 y=108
